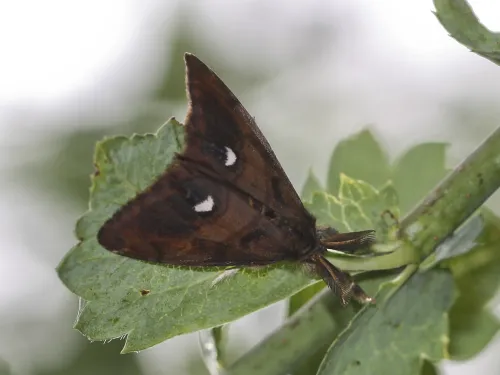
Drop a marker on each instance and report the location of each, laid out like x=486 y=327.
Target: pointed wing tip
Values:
x=193 y=62
x=196 y=71
x=188 y=56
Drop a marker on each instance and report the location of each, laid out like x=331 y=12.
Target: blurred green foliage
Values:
x=66 y=176
x=99 y=359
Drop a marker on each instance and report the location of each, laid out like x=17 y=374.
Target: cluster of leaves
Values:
x=350 y=200
x=183 y=300
x=441 y=313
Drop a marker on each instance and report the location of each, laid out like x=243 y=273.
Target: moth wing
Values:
x=222 y=136
x=186 y=218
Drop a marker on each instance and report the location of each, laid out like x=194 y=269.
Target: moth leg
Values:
x=340 y=282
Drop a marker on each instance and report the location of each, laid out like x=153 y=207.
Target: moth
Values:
x=225 y=200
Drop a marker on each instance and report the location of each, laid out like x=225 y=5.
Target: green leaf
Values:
x=417 y=172
x=389 y=196
x=428 y=368
x=355 y=190
x=342 y=317
x=463 y=240
x=179 y=300
x=412 y=325
x=97 y=359
x=354 y=217
x=301 y=298
x=327 y=209
x=458 y=18
x=298 y=346
x=361 y=158
x=330 y=208
x=472 y=324
x=4 y=367
x=311 y=186
x=360 y=203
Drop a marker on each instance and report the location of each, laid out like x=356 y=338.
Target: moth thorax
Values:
x=306 y=252
x=324 y=233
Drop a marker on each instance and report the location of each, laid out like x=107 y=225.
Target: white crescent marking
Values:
x=205 y=206
x=230 y=157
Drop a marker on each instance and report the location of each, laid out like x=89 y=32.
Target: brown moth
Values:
x=225 y=200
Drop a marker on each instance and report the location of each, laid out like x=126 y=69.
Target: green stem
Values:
x=402 y=256
x=432 y=221
x=455 y=198
x=212 y=343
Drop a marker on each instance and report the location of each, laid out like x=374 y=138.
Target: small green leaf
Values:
x=354 y=217
x=4 y=367
x=96 y=359
x=328 y=206
x=471 y=330
x=428 y=368
x=472 y=324
x=390 y=197
x=458 y=18
x=412 y=325
x=355 y=190
x=463 y=240
x=327 y=210
x=311 y=186
x=417 y=172
x=360 y=157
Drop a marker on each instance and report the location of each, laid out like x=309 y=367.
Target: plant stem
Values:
x=461 y=193
x=455 y=198
x=401 y=256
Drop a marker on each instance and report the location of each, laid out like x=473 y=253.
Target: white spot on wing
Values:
x=205 y=206
x=230 y=157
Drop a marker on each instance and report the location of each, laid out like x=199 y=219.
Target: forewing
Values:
x=187 y=218
x=222 y=136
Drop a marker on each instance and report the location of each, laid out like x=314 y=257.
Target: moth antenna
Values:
x=226 y=274
x=348 y=242
x=340 y=282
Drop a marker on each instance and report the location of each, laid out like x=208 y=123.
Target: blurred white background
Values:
x=312 y=72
